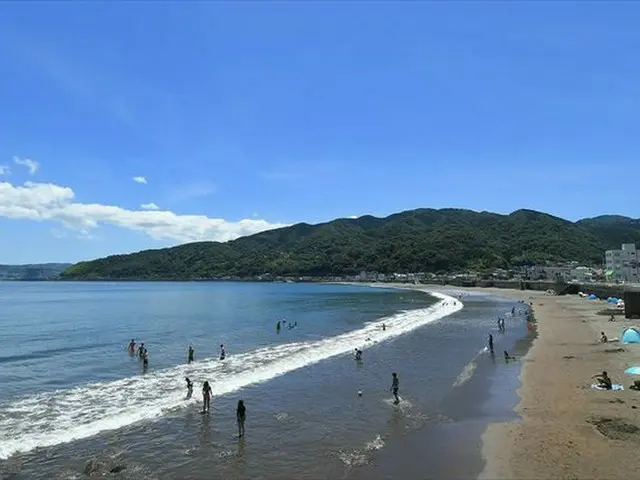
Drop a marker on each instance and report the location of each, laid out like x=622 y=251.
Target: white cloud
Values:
x=142 y=180
x=5 y=170
x=32 y=165
x=149 y=206
x=47 y=201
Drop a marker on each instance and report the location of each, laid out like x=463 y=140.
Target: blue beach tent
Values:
x=592 y=297
x=630 y=335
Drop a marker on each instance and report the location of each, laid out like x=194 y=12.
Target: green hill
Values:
x=38 y=271
x=417 y=240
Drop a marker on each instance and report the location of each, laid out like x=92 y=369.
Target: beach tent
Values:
x=630 y=335
x=592 y=297
x=632 y=371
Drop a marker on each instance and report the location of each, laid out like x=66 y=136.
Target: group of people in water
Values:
x=502 y=329
x=283 y=323
x=241 y=410
x=141 y=351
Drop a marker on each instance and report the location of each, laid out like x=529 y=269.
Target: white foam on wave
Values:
x=62 y=416
x=469 y=369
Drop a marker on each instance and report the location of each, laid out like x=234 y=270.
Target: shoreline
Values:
x=564 y=428
x=503 y=403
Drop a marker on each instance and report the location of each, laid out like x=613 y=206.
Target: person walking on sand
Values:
x=191 y=352
x=395 y=385
x=241 y=415
x=206 y=397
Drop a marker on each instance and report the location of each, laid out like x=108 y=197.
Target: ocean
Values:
x=72 y=394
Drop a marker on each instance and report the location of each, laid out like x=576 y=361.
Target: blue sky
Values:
x=243 y=116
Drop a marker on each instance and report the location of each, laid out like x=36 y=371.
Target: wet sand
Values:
x=568 y=430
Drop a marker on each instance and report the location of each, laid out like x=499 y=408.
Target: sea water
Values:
x=73 y=390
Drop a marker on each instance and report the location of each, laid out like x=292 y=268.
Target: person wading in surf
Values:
x=189 y=388
x=206 y=397
x=241 y=415
x=191 y=352
x=395 y=385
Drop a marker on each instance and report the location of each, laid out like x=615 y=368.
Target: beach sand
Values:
x=568 y=430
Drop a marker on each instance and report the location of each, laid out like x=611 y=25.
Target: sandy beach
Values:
x=568 y=430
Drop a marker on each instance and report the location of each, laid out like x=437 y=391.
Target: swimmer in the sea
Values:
x=358 y=355
x=132 y=345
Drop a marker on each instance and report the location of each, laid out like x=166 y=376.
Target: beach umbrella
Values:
x=632 y=371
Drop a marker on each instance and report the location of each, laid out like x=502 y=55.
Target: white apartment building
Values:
x=623 y=264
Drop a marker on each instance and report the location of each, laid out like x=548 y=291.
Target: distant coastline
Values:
x=523 y=285
x=35 y=272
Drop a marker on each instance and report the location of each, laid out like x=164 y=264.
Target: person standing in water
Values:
x=145 y=358
x=189 y=388
x=278 y=326
x=141 y=351
x=491 y=343
x=384 y=327
x=395 y=385
x=222 y=353
x=191 y=352
x=241 y=415
x=132 y=346
x=358 y=355
x=206 y=397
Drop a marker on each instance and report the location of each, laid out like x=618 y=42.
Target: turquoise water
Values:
x=72 y=391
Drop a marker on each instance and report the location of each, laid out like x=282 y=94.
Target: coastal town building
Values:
x=622 y=265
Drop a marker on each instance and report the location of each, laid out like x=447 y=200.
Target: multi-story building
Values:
x=622 y=264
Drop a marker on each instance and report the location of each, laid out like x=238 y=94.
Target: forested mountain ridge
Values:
x=422 y=240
